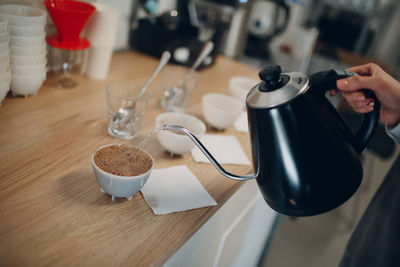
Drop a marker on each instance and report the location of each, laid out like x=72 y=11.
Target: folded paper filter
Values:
x=175 y=189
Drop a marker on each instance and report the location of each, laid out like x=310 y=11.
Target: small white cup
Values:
x=221 y=111
x=116 y=185
x=240 y=86
x=176 y=143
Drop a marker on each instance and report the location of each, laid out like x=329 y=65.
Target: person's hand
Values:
x=385 y=87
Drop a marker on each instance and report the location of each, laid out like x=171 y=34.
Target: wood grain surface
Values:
x=52 y=212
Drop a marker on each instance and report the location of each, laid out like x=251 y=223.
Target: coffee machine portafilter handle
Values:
x=207 y=153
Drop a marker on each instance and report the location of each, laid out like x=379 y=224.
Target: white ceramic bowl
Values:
x=26 y=84
x=4 y=37
x=28 y=50
x=119 y=186
x=27 y=60
x=4 y=48
x=4 y=88
x=3 y=24
x=29 y=69
x=220 y=111
x=23 y=15
x=26 y=31
x=240 y=86
x=5 y=77
x=177 y=143
x=4 y=67
x=28 y=41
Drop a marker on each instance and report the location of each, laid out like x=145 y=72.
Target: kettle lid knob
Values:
x=271 y=75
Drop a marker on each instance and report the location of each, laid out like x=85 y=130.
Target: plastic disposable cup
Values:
x=98 y=63
x=26 y=31
x=28 y=41
x=102 y=27
x=4 y=66
x=23 y=15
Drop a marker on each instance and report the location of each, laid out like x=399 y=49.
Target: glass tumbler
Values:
x=125 y=111
x=177 y=87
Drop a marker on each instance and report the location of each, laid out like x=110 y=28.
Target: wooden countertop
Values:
x=51 y=209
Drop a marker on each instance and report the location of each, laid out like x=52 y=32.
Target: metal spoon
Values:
x=177 y=94
x=127 y=115
x=163 y=61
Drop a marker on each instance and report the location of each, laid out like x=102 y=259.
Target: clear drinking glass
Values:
x=125 y=112
x=177 y=91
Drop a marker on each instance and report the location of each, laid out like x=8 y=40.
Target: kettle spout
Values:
x=207 y=153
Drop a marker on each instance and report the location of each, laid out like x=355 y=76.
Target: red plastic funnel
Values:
x=69 y=17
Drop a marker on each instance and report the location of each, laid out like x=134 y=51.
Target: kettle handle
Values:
x=326 y=80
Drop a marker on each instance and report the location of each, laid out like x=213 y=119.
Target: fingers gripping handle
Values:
x=326 y=80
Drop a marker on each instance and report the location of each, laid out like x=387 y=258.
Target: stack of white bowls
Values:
x=4 y=59
x=27 y=47
x=101 y=32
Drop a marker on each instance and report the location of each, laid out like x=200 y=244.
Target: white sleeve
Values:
x=394 y=132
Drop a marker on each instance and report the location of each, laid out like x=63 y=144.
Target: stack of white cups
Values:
x=28 y=47
x=101 y=31
x=4 y=59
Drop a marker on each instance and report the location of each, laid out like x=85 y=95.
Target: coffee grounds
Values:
x=123 y=160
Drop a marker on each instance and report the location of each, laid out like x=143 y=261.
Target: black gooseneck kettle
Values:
x=305 y=157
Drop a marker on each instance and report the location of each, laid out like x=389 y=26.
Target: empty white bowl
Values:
x=119 y=186
x=28 y=50
x=4 y=67
x=28 y=84
x=23 y=15
x=240 y=86
x=177 y=143
x=4 y=38
x=4 y=48
x=4 y=88
x=221 y=111
x=3 y=24
x=29 y=69
x=27 y=60
x=28 y=41
x=26 y=31
x=5 y=77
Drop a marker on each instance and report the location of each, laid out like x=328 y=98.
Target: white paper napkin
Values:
x=226 y=149
x=241 y=123
x=175 y=189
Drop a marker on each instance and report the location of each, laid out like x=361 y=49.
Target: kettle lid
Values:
x=276 y=88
